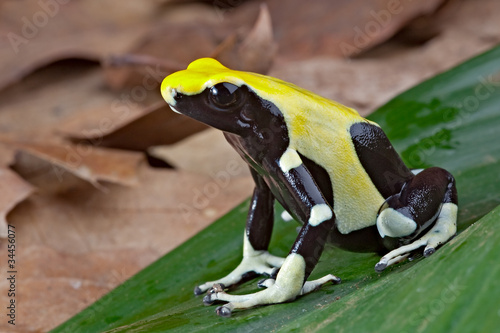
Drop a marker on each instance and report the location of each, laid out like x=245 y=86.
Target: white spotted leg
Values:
x=287 y=286
x=442 y=231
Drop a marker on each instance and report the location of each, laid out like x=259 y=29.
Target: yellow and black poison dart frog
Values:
x=331 y=169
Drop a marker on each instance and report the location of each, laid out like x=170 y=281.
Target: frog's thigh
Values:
x=430 y=197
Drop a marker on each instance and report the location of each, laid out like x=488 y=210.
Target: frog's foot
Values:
x=287 y=286
x=260 y=262
x=442 y=231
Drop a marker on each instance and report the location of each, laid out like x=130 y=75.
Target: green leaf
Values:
x=451 y=120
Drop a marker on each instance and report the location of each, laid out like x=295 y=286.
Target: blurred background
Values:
x=99 y=177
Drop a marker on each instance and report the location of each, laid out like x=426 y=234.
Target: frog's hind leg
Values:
x=424 y=213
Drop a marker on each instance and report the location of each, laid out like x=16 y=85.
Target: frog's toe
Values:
x=391 y=258
x=429 y=251
x=207 y=300
x=380 y=266
x=198 y=291
x=223 y=311
x=212 y=293
x=208 y=287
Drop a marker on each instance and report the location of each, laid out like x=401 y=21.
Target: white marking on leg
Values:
x=286 y=216
x=444 y=228
x=394 y=224
x=289 y=160
x=320 y=213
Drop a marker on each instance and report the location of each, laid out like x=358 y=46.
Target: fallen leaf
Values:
x=75 y=246
x=253 y=51
x=33 y=112
x=206 y=152
x=333 y=28
x=370 y=80
x=155 y=125
x=427 y=26
x=86 y=162
x=37 y=33
x=176 y=43
x=13 y=190
x=173 y=45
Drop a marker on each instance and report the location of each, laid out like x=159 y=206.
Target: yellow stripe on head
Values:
x=200 y=74
x=207 y=72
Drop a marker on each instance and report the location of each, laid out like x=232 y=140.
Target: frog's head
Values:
x=217 y=96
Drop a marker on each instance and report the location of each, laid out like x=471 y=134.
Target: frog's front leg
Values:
x=423 y=214
x=291 y=279
x=259 y=227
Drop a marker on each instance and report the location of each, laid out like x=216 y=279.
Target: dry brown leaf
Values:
x=333 y=28
x=206 y=152
x=68 y=98
x=78 y=245
x=155 y=125
x=36 y=33
x=253 y=51
x=183 y=33
x=45 y=101
x=95 y=123
x=368 y=81
x=174 y=45
x=6 y=156
x=13 y=190
x=84 y=161
x=177 y=43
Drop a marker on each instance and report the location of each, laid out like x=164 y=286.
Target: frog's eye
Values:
x=223 y=95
